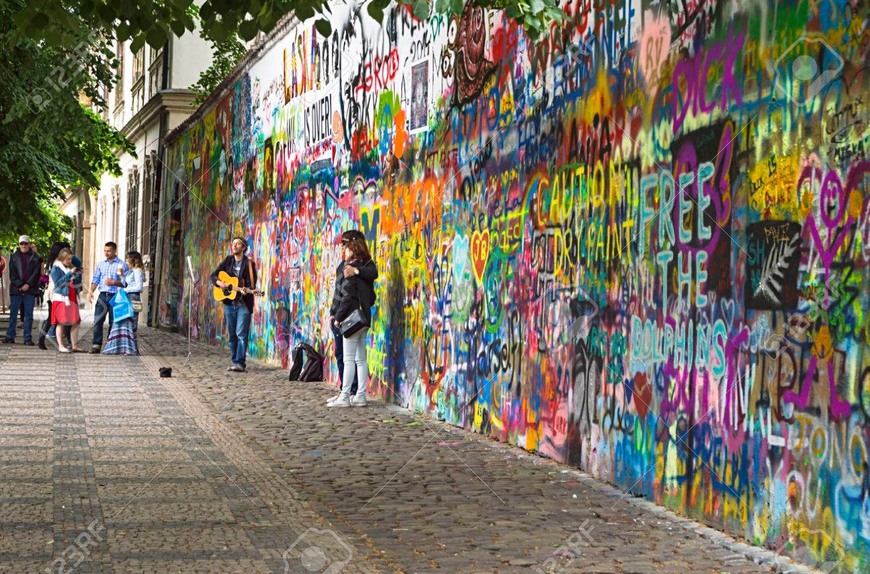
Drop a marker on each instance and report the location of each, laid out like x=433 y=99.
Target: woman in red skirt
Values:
x=65 y=304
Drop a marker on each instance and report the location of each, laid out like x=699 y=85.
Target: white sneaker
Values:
x=332 y=399
x=341 y=401
x=358 y=400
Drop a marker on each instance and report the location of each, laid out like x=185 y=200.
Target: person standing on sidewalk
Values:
x=65 y=299
x=357 y=294
x=238 y=310
x=367 y=272
x=24 y=267
x=122 y=335
x=47 y=330
x=105 y=283
x=134 y=281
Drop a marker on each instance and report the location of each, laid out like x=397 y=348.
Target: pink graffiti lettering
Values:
x=695 y=73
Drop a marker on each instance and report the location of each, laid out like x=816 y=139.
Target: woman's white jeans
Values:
x=355 y=355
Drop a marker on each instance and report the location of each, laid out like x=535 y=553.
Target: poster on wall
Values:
x=419 y=96
x=772 y=264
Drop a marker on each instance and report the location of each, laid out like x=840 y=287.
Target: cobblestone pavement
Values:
x=105 y=467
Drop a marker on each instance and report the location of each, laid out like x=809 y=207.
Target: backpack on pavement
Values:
x=307 y=364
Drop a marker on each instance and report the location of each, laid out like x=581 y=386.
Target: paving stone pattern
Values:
x=105 y=467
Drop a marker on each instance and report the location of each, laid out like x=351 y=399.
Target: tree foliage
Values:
x=225 y=57
x=49 y=140
x=57 y=22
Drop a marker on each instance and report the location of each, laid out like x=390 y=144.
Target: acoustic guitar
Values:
x=232 y=288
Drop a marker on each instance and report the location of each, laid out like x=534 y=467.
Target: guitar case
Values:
x=307 y=364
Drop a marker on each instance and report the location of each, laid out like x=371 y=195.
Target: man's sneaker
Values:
x=358 y=400
x=28 y=343
x=341 y=401
x=95 y=350
x=231 y=367
x=8 y=341
x=237 y=368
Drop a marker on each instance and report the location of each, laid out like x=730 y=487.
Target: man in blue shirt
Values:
x=106 y=283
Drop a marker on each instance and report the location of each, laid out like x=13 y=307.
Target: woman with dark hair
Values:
x=122 y=337
x=48 y=327
x=357 y=294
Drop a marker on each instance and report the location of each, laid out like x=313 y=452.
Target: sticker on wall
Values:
x=419 y=96
x=470 y=68
x=480 y=252
x=337 y=128
x=773 y=249
x=654 y=45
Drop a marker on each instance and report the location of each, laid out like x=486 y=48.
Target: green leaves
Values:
x=155 y=21
x=226 y=55
x=323 y=27
x=48 y=140
x=536 y=16
x=248 y=30
x=421 y=9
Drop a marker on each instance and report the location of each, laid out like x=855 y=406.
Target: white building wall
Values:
x=140 y=119
x=190 y=56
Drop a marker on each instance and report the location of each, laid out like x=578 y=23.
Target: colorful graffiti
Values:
x=640 y=245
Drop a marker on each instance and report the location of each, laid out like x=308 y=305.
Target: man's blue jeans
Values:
x=102 y=309
x=16 y=302
x=238 y=319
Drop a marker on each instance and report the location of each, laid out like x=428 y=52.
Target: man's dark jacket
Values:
x=18 y=275
x=244 y=278
x=357 y=292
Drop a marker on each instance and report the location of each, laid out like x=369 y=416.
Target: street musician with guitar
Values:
x=235 y=282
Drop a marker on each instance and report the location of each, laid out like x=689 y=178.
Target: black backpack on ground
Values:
x=307 y=364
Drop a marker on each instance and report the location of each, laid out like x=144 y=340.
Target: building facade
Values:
x=150 y=98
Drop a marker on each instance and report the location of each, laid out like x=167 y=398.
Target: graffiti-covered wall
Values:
x=640 y=245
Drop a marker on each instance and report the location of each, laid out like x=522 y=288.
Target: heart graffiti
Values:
x=480 y=252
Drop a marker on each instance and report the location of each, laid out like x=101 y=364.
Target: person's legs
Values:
x=61 y=344
x=28 y=301
x=351 y=350
x=111 y=313
x=46 y=329
x=135 y=297
x=339 y=352
x=231 y=318
x=101 y=310
x=343 y=399
x=73 y=334
x=243 y=327
x=362 y=366
x=14 y=306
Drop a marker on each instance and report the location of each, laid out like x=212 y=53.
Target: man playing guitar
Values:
x=237 y=309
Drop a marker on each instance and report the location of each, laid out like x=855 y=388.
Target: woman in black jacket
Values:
x=357 y=294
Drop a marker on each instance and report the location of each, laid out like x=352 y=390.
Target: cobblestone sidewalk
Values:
x=105 y=467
